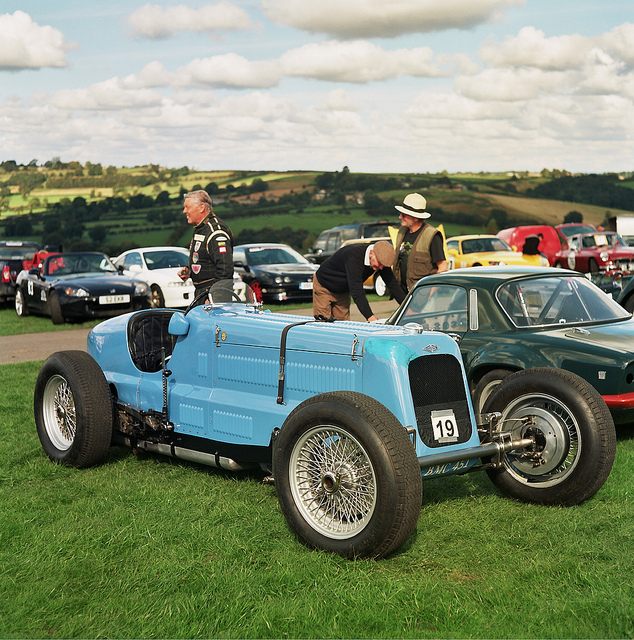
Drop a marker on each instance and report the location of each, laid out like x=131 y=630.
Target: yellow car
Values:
x=480 y=251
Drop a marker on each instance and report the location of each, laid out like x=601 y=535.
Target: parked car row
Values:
x=277 y=273
x=576 y=246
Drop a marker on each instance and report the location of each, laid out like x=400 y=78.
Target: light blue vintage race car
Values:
x=345 y=418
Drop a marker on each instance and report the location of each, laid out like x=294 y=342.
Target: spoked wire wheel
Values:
x=58 y=413
x=333 y=482
x=347 y=476
x=73 y=409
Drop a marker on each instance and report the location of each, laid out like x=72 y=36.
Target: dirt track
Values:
x=38 y=346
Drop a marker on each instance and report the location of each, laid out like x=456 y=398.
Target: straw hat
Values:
x=414 y=205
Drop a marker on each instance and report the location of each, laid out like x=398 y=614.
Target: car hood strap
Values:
x=281 y=374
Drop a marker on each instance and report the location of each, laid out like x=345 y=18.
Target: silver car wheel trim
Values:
x=19 y=302
x=558 y=438
x=58 y=408
x=333 y=482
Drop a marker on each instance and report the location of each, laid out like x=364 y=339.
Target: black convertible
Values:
x=78 y=286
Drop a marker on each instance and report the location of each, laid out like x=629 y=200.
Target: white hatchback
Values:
x=159 y=267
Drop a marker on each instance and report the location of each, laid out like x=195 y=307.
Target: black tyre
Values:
x=628 y=304
x=55 y=309
x=73 y=409
x=157 y=300
x=575 y=440
x=486 y=386
x=593 y=266
x=347 y=476
x=21 y=307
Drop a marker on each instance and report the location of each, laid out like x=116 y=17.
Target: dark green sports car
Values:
x=507 y=319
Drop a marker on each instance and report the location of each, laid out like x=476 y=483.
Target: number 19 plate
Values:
x=445 y=426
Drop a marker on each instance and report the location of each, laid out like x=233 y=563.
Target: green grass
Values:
x=11 y=324
x=152 y=547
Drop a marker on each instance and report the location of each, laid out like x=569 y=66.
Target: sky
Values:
x=375 y=85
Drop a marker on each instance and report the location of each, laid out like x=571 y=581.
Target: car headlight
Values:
x=278 y=279
x=76 y=292
x=544 y=261
x=140 y=288
x=265 y=278
x=605 y=256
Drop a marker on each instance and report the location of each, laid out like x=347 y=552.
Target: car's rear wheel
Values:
x=21 y=307
x=347 y=476
x=573 y=432
x=73 y=409
x=54 y=308
x=157 y=300
x=486 y=386
x=593 y=266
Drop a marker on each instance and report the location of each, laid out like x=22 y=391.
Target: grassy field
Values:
x=152 y=547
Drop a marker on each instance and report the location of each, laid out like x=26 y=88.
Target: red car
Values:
x=595 y=252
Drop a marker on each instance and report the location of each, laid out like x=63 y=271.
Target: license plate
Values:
x=444 y=425
x=306 y=285
x=120 y=299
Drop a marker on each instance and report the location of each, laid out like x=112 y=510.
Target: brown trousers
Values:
x=329 y=304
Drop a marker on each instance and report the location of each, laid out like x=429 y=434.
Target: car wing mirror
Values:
x=179 y=325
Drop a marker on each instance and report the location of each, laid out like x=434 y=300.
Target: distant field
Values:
x=551 y=211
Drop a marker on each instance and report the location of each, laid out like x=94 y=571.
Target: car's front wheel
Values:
x=573 y=433
x=21 y=307
x=157 y=300
x=347 y=476
x=486 y=386
x=73 y=409
x=55 y=308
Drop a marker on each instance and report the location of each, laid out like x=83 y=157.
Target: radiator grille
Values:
x=437 y=384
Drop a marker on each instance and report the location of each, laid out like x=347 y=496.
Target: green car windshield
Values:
x=557 y=301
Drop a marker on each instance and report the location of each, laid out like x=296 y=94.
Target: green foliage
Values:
x=603 y=190
x=573 y=216
x=154 y=547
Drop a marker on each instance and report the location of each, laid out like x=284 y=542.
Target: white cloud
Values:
x=153 y=74
x=108 y=95
x=229 y=70
x=384 y=18
x=154 y=21
x=511 y=84
x=529 y=65
x=620 y=42
x=531 y=48
x=358 y=62
x=338 y=100
x=27 y=45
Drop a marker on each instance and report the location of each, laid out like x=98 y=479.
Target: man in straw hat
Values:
x=419 y=246
x=343 y=274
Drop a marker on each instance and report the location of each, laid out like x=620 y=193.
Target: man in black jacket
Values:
x=211 y=248
x=343 y=274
